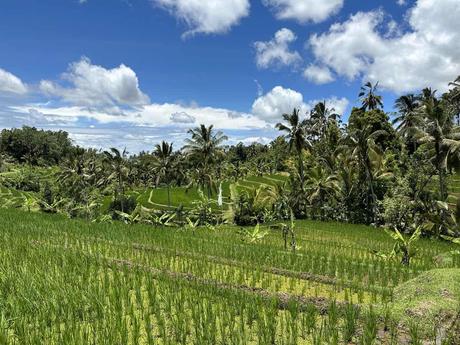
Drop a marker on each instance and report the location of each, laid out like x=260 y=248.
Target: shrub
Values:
x=398 y=212
x=123 y=204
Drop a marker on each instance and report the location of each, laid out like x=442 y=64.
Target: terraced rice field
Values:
x=157 y=198
x=454 y=190
x=72 y=282
x=13 y=198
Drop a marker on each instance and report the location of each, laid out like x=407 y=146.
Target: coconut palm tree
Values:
x=320 y=186
x=408 y=120
x=320 y=117
x=440 y=134
x=361 y=143
x=454 y=98
x=117 y=167
x=370 y=100
x=456 y=90
x=204 y=144
x=162 y=164
x=204 y=147
x=296 y=135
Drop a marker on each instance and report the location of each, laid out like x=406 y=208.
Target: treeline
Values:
x=379 y=168
x=36 y=147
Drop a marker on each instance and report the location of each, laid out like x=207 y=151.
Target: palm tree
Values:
x=428 y=93
x=361 y=142
x=454 y=98
x=369 y=98
x=116 y=163
x=320 y=117
x=320 y=185
x=163 y=164
x=455 y=83
x=204 y=147
x=296 y=135
x=440 y=135
x=347 y=172
x=408 y=120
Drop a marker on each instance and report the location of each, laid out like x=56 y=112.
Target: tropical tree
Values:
x=296 y=135
x=440 y=135
x=236 y=170
x=361 y=144
x=204 y=147
x=439 y=220
x=408 y=119
x=321 y=186
x=454 y=98
x=79 y=175
x=456 y=83
x=369 y=98
x=320 y=116
x=346 y=174
x=118 y=169
x=427 y=94
x=162 y=164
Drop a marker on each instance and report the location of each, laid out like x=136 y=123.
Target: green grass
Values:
x=73 y=282
x=431 y=298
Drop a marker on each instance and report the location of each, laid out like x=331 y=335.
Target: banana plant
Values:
x=440 y=221
x=191 y=225
x=164 y=219
x=105 y=218
x=30 y=203
x=89 y=209
x=140 y=214
x=255 y=235
x=403 y=246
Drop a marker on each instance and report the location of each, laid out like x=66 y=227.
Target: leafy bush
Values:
x=28 y=183
x=123 y=204
x=398 y=212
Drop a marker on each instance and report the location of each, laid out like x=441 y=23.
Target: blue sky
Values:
x=133 y=72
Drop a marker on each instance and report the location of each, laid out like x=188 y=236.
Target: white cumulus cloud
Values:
x=271 y=106
x=276 y=52
x=10 y=84
x=318 y=74
x=206 y=16
x=97 y=87
x=427 y=54
x=304 y=11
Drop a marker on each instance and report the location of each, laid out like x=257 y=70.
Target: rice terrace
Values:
x=152 y=192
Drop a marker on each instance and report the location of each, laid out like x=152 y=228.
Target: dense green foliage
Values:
x=35 y=147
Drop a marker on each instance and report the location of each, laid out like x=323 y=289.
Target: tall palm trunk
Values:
x=301 y=172
x=372 y=199
x=441 y=172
